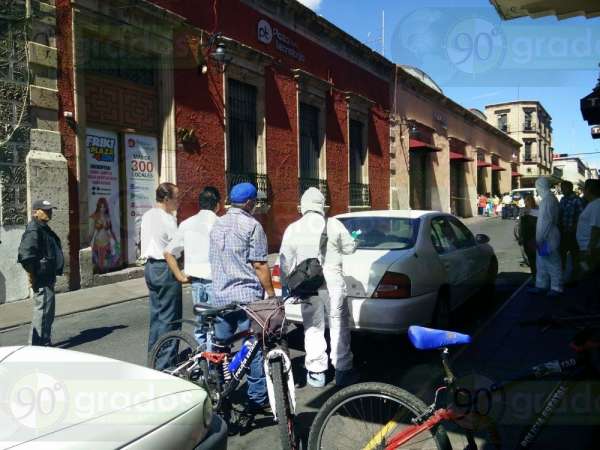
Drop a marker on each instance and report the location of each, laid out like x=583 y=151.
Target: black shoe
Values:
x=259 y=409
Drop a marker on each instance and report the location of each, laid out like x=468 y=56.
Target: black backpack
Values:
x=306 y=279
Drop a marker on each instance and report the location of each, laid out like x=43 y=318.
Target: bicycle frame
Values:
x=570 y=370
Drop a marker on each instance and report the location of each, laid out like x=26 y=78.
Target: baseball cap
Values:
x=242 y=192
x=43 y=204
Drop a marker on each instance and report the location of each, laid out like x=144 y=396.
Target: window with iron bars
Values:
x=242 y=133
x=310 y=150
x=527 y=155
x=359 y=191
x=502 y=122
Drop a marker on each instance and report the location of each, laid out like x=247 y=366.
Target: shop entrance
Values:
x=121 y=157
x=418 y=180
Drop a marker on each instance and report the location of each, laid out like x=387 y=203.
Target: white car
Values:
x=410 y=268
x=52 y=398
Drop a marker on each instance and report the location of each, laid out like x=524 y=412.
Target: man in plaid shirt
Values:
x=238 y=263
x=571 y=206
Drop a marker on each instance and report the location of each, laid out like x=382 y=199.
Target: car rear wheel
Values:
x=442 y=315
x=489 y=287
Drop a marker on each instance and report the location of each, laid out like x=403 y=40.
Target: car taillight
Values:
x=393 y=285
x=275 y=276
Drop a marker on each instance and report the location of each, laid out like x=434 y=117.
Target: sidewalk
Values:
x=19 y=313
x=502 y=349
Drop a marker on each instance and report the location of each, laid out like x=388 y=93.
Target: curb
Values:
x=13 y=326
x=484 y=325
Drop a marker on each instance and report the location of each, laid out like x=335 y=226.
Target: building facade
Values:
x=531 y=125
x=448 y=154
x=574 y=170
x=135 y=93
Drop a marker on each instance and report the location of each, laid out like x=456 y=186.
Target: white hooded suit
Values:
x=301 y=241
x=549 y=268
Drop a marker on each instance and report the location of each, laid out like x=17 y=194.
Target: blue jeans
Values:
x=165 y=307
x=201 y=293
x=227 y=326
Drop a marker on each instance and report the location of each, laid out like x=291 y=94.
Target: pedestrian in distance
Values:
x=506 y=206
x=571 y=207
x=314 y=236
x=192 y=240
x=547 y=236
x=490 y=205
x=482 y=205
x=238 y=262
x=41 y=255
x=159 y=227
x=527 y=227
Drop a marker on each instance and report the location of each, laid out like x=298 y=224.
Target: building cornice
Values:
x=431 y=94
x=304 y=21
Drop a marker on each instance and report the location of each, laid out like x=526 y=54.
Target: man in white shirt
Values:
x=507 y=206
x=159 y=226
x=192 y=239
x=588 y=227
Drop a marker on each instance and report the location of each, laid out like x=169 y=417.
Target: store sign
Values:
x=283 y=43
x=141 y=166
x=103 y=198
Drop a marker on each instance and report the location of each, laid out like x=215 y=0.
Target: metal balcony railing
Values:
x=261 y=181
x=320 y=184
x=359 y=194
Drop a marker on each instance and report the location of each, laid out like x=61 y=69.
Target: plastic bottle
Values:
x=239 y=356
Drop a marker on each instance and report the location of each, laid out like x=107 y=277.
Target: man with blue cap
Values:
x=238 y=262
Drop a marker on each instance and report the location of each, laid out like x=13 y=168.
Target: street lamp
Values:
x=217 y=51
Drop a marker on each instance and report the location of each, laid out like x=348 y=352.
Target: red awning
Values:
x=455 y=156
x=416 y=144
x=516 y=174
x=483 y=164
x=496 y=168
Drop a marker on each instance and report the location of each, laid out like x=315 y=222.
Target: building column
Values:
x=440 y=175
x=46 y=166
x=399 y=164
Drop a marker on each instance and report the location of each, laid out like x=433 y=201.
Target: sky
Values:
x=478 y=59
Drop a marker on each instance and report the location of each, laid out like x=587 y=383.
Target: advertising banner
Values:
x=141 y=167
x=101 y=148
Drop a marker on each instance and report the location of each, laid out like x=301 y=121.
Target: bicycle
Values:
x=219 y=371
x=393 y=418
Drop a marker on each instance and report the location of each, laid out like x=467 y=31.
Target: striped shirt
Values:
x=236 y=241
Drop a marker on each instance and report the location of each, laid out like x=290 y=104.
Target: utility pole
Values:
x=383 y=32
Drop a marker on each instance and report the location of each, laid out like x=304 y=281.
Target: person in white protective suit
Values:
x=547 y=236
x=301 y=241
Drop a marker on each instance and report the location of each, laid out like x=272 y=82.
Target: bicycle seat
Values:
x=423 y=338
x=210 y=311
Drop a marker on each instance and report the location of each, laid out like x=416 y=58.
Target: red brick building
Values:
x=298 y=103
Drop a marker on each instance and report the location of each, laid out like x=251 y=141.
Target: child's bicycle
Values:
x=220 y=370
x=373 y=416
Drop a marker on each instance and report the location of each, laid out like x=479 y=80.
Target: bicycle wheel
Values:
x=367 y=416
x=171 y=350
x=283 y=408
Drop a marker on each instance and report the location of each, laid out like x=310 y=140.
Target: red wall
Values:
x=204 y=113
x=64 y=35
x=199 y=105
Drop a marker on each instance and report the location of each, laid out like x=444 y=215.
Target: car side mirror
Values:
x=482 y=238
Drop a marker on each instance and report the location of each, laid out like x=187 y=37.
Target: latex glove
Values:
x=355 y=234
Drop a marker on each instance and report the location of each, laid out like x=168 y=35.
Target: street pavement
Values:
x=120 y=331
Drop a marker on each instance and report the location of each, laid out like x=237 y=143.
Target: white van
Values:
x=524 y=192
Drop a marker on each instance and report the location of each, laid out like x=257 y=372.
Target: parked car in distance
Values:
x=61 y=399
x=410 y=268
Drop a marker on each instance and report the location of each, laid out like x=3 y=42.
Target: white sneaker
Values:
x=316 y=379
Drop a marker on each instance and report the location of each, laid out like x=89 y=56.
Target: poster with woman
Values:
x=103 y=198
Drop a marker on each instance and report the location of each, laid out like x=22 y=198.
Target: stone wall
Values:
x=31 y=163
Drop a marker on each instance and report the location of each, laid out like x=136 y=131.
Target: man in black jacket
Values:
x=41 y=255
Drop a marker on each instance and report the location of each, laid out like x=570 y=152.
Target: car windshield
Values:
x=383 y=233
